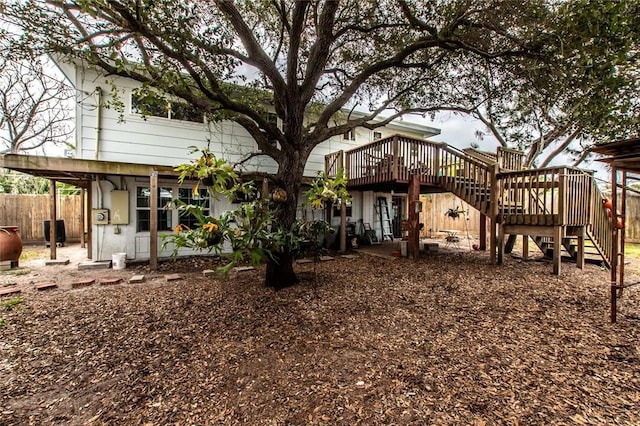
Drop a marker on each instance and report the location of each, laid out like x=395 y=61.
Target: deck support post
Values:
x=494 y=212
x=413 y=245
x=614 y=245
x=153 y=221
x=557 y=245
x=580 y=248
x=52 y=219
x=525 y=247
x=83 y=196
x=483 y=232
x=89 y=216
x=343 y=226
x=500 y=260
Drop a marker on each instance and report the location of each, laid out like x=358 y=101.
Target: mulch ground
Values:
x=446 y=340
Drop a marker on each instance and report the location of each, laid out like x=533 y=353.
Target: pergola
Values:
x=80 y=173
x=624 y=159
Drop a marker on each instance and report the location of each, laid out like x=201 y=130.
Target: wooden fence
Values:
x=434 y=207
x=28 y=213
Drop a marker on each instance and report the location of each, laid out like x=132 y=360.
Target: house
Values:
x=125 y=154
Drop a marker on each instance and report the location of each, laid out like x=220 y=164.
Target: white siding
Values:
x=127 y=137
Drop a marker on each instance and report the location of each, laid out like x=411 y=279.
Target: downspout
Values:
x=98 y=120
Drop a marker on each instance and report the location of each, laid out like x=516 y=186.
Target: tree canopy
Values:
x=34 y=107
x=586 y=92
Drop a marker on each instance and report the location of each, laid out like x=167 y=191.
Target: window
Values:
x=143 y=211
x=168 y=216
x=155 y=106
x=202 y=199
x=377 y=135
x=350 y=135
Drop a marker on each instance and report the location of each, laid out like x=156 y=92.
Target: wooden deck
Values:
x=551 y=201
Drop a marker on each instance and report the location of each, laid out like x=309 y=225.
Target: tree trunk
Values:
x=280 y=273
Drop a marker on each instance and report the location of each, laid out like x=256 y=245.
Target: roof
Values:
x=623 y=154
x=76 y=171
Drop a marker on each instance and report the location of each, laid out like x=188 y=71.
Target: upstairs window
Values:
x=377 y=135
x=155 y=106
x=349 y=136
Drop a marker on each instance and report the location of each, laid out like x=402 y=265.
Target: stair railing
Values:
x=466 y=177
x=599 y=229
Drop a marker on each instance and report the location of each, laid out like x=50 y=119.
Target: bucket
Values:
x=403 y=248
x=119 y=260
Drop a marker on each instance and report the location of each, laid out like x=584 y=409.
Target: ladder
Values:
x=382 y=208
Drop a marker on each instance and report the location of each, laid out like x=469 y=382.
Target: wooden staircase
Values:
x=541 y=203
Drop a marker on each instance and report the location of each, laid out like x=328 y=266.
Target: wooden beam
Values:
x=88 y=207
x=83 y=196
x=343 y=227
x=493 y=243
x=557 y=245
x=539 y=230
x=623 y=218
x=614 y=247
x=153 y=219
x=61 y=168
x=580 y=248
x=525 y=247
x=52 y=219
x=483 y=232
x=500 y=242
x=413 y=245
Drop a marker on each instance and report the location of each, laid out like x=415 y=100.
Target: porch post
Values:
x=622 y=230
x=343 y=227
x=525 y=247
x=88 y=215
x=493 y=243
x=557 y=245
x=614 y=244
x=83 y=194
x=52 y=219
x=580 y=248
x=413 y=245
x=483 y=232
x=153 y=221
x=500 y=244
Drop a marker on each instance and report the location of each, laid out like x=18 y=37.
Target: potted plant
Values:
x=10 y=244
x=212 y=172
x=454 y=213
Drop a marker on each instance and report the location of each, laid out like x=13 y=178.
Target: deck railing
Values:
x=392 y=159
x=333 y=163
x=510 y=159
x=551 y=196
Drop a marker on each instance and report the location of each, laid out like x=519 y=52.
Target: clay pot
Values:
x=10 y=243
x=619 y=223
x=607 y=204
x=279 y=196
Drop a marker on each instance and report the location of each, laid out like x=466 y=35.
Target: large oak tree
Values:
x=314 y=58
